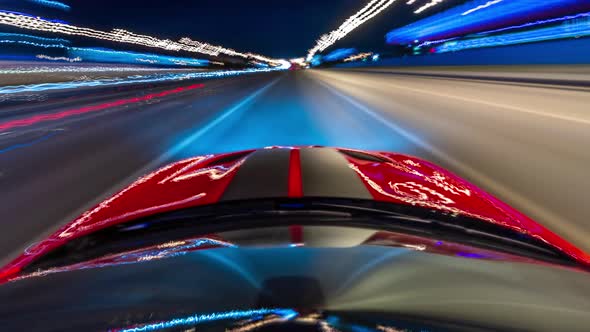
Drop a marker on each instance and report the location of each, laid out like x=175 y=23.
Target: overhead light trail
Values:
x=428 y=5
x=486 y=5
x=372 y=9
x=29 y=22
x=52 y=4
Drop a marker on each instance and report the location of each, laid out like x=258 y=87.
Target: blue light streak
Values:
x=24 y=145
x=452 y=23
x=30 y=40
x=33 y=38
x=27 y=43
x=514 y=27
x=52 y=4
x=543 y=34
x=286 y=314
x=156 y=78
x=339 y=54
x=112 y=56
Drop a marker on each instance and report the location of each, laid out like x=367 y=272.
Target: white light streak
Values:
x=372 y=9
x=61 y=58
x=486 y=5
x=123 y=36
x=359 y=56
x=428 y=5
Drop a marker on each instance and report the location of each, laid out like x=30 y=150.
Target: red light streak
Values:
x=94 y=108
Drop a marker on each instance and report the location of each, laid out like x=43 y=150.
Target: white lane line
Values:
x=493 y=104
x=192 y=138
x=552 y=220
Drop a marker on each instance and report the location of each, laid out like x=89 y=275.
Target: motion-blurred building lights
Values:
x=30 y=22
x=372 y=9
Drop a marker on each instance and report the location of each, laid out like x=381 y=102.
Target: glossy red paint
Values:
x=203 y=180
x=409 y=180
x=190 y=182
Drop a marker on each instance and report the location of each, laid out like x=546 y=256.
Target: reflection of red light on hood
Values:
x=94 y=108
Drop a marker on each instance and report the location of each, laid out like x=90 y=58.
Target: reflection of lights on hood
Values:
x=284 y=314
x=165 y=250
x=402 y=197
x=214 y=173
x=372 y=9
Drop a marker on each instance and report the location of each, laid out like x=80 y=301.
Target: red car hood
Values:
x=295 y=172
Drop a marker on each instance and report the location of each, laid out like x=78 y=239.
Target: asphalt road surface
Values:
x=527 y=144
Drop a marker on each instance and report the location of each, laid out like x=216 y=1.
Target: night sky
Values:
x=275 y=28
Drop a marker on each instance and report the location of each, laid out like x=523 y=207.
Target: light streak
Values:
x=514 y=27
x=339 y=54
x=33 y=38
x=95 y=108
x=359 y=56
x=197 y=319
x=24 y=145
x=451 y=23
x=105 y=55
x=543 y=34
x=30 y=40
x=61 y=58
x=428 y=5
x=78 y=69
x=130 y=80
x=541 y=22
x=52 y=4
x=30 y=22
x=486 y=5
x=28 y=43
x=372 y=9
x=227 y=51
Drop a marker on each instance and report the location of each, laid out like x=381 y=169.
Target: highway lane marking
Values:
x=551 y=219
x=190 y=140
x=510 y=107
